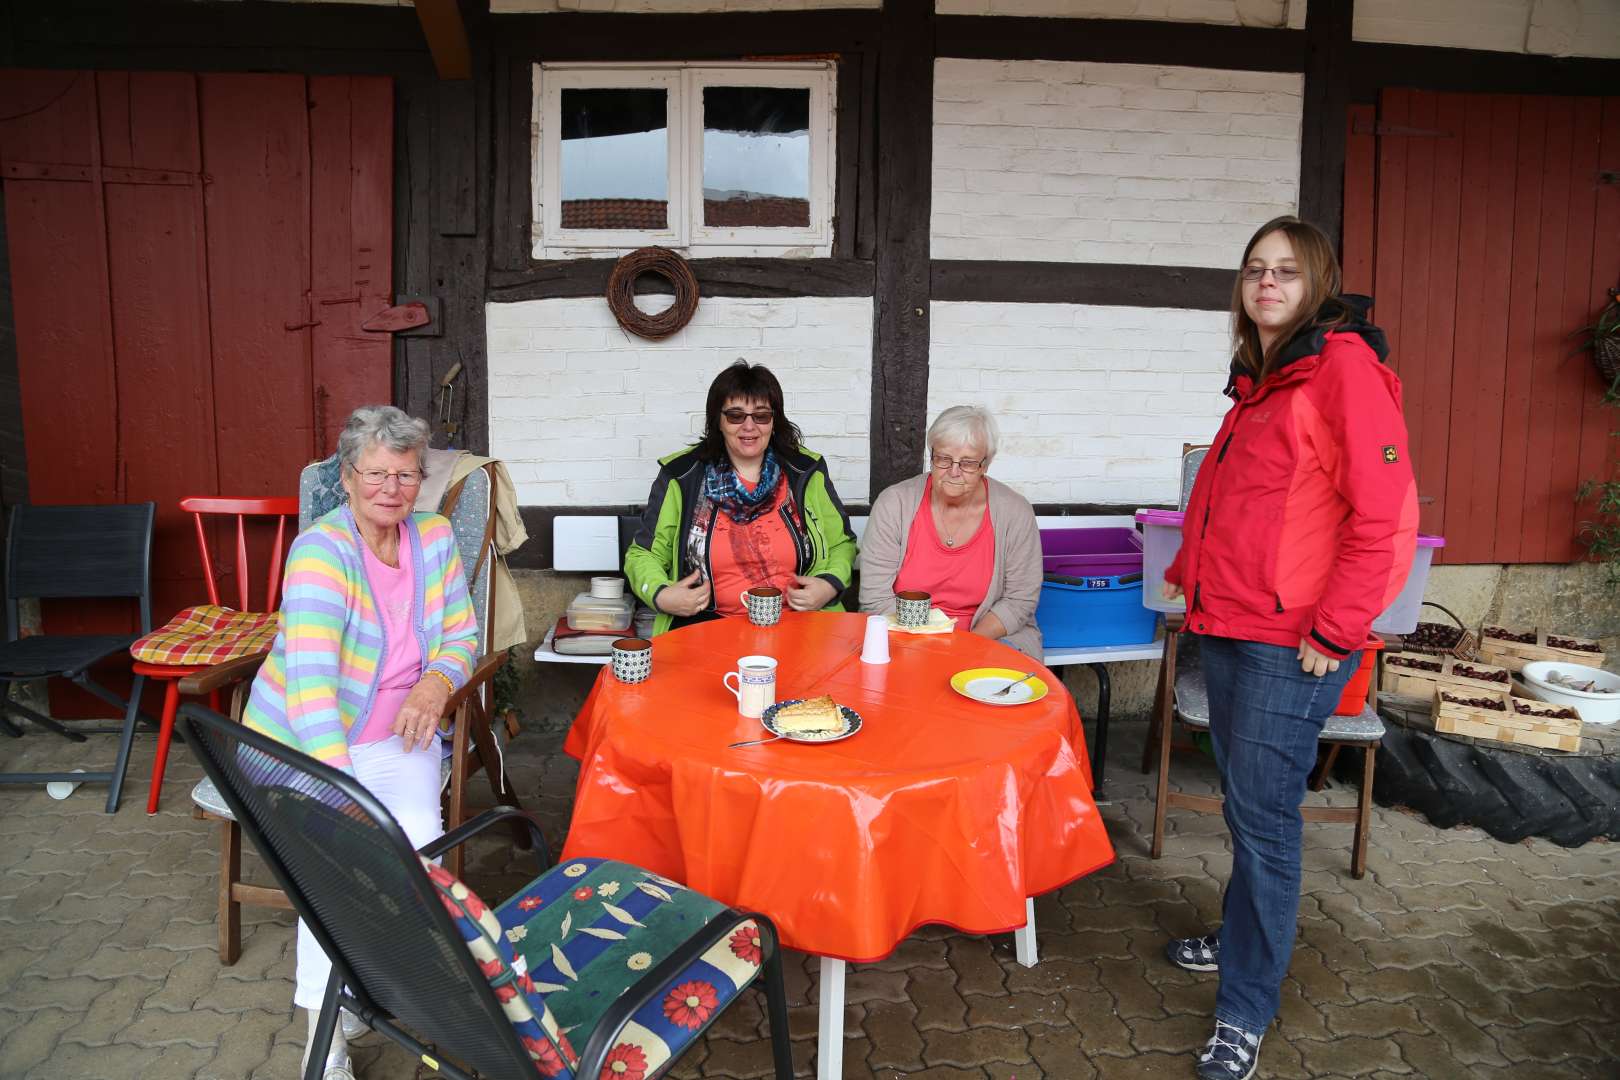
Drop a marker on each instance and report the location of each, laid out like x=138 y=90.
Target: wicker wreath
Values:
x=621 y=292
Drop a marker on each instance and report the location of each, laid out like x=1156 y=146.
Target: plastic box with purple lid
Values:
x=1092 y=592
x=1161 y=539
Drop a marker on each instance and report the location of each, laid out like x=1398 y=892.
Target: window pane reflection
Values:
x=756 y=156
x=615 y=159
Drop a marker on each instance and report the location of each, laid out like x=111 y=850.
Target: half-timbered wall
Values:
x=1546 y=27
x=581 y=411
x=1093 y=402
x=1114 y=163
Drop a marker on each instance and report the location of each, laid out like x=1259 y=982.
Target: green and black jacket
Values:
x=820 y=530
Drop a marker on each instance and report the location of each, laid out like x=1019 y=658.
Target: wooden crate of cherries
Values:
x=1497 y=716
x=1415 y=674
x=1513 y=648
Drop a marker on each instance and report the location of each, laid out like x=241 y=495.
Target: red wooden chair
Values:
x=200 y=638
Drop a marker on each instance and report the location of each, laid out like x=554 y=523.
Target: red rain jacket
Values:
x=1303 y=520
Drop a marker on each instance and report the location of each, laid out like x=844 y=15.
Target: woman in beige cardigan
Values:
x=969 y=541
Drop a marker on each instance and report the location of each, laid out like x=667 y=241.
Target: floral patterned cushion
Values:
x=536 y=1029
x=587 y=931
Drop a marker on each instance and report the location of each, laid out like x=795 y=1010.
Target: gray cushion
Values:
x=206 y=796
x=1192 y=705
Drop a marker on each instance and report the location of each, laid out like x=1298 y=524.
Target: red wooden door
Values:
x=192 y=257
x=1487 y=228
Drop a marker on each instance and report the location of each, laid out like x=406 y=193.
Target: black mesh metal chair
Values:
x=404 y=941
x=74 y=552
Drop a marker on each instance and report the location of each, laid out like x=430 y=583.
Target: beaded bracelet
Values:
x=444 y=678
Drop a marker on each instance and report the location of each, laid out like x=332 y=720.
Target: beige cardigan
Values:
x=1015 y=580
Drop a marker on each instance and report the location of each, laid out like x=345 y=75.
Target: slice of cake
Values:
x=811 y=715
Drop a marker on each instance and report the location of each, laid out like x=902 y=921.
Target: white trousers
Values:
x=408 y=785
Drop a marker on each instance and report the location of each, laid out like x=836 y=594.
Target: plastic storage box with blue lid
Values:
x=1092 y=595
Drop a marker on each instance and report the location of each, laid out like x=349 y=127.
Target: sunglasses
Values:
x=736 y=417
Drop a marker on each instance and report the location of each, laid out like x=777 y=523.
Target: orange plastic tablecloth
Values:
x=939 y=810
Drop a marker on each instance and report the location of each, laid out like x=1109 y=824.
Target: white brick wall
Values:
x=1093 y=402
x=580 y=411
x=1124 y=163
x=506 y=7
x=1548 y=27
x=1224 y=12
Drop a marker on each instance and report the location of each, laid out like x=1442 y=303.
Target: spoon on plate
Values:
x=1005 y=690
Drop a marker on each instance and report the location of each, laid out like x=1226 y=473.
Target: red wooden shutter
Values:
x=1486 y=232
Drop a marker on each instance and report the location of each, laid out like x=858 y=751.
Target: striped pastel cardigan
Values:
x=318 y=684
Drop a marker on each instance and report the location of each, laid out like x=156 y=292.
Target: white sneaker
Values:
x=353 y=1027
x=338 y=1064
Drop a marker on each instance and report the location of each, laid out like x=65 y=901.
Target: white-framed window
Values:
x=709 y=159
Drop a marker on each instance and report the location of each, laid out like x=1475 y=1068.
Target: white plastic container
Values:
x=1401 y=617
x=1161 y=539
x=589 y=612
x=1594 y=708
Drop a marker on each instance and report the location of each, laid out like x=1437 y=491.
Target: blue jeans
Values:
x=1265 y=716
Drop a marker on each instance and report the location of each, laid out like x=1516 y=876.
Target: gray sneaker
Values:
x=1230 y=1054
x=1195 y=953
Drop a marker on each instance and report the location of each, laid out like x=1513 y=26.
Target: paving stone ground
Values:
x=1457 y=956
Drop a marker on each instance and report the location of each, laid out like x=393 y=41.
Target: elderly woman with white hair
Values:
x=376 y=632
x=967 y=540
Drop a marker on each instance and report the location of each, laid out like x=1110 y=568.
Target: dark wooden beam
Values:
x=905 y=107
x=716 y=277
x=1327 y=104
x=721 y=35
x=310 y=39
x=1120 y=41
x=514 y=164
x=446 y=37
x=1373 y=66
x=13 y=455
x=1124 y=285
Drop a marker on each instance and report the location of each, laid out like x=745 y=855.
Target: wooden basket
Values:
x=1521 y=721
x=1515 y=654
x=1419 y=683
x=1465 y=648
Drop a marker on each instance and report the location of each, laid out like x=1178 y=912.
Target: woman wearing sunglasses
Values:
x=746 y=507
x=1300 y=530
x=970 y=542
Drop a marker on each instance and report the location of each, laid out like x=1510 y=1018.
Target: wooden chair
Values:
x=473 y=743
x=74 y=552
x=1182 y=695
x=228 y=643
x=468 y=987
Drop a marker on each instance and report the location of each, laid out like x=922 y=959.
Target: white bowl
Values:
x=1594 y=708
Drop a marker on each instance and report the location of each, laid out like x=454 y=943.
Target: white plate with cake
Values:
x=811 y=720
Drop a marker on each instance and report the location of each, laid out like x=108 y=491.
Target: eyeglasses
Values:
x=1283 y=274
x=736 y=417
x=945 y=464
x=408 y=478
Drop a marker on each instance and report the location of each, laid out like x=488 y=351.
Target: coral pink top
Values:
x=394 y=588
x=956 y=577
x=743 y=557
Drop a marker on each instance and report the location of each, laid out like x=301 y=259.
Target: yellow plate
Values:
x=981 y=684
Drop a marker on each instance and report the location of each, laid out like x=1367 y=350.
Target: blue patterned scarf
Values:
x=723 y=487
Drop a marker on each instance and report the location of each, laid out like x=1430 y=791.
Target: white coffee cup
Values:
x=756 y=684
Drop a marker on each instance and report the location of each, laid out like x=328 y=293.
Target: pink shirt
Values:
x=394 y=590
x=761 y=552
x=956 y=577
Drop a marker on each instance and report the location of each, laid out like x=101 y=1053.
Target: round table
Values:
x=939 y=810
